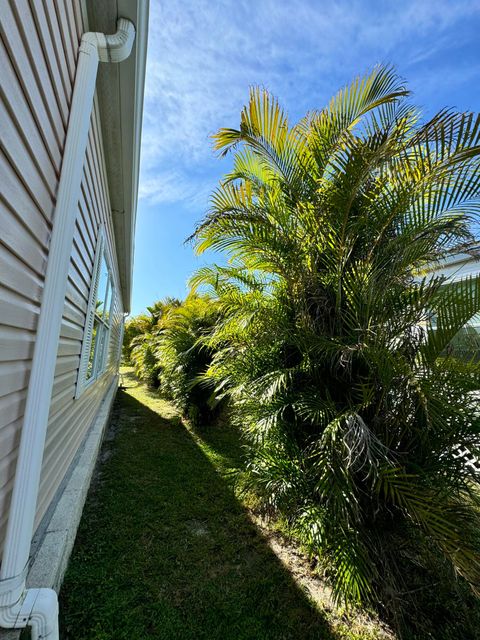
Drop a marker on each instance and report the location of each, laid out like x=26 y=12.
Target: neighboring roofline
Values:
x=458 y=266
x=470 y=254
x=120 y=91
x=455 y=266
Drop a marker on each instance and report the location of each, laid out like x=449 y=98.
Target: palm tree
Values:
x=167 y=350
x=141 y=337
x=184 y=357
x=352 y=410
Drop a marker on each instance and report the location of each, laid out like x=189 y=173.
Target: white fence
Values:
x=469 y=458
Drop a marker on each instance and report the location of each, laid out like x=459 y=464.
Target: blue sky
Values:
x=204 y=55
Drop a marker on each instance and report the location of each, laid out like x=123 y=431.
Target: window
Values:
x=96 y=340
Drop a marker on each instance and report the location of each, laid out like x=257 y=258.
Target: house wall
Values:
x=38 y=60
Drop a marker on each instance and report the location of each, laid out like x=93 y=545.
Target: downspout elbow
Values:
x=37 y=609
x=112 y=48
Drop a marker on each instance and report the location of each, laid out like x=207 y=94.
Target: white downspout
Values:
x=38 y=608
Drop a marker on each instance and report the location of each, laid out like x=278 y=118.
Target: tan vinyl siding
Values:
x=38 y=55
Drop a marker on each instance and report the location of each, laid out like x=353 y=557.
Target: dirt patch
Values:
x=198 y=528
x=299 y=566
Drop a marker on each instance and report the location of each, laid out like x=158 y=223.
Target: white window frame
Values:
x=100 y=358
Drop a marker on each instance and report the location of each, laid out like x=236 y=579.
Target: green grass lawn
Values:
x=166 y=550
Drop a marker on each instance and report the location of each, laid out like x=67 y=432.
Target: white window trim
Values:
x=82 y=382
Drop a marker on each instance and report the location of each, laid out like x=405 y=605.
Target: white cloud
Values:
x=170 y=186
x=204 y=55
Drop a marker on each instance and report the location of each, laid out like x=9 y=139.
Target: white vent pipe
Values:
x=38 y=608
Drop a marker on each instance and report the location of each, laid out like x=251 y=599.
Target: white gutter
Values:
x=140 y=70
x=38 y=608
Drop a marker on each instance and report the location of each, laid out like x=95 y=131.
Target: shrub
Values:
x=168 y=349
x=136 y=326
x=352 y=414
x=184 y=358
x=144 y=359
x=141 y=337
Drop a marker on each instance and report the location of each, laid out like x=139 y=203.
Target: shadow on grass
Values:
x=225 y=441
x=165 y=551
